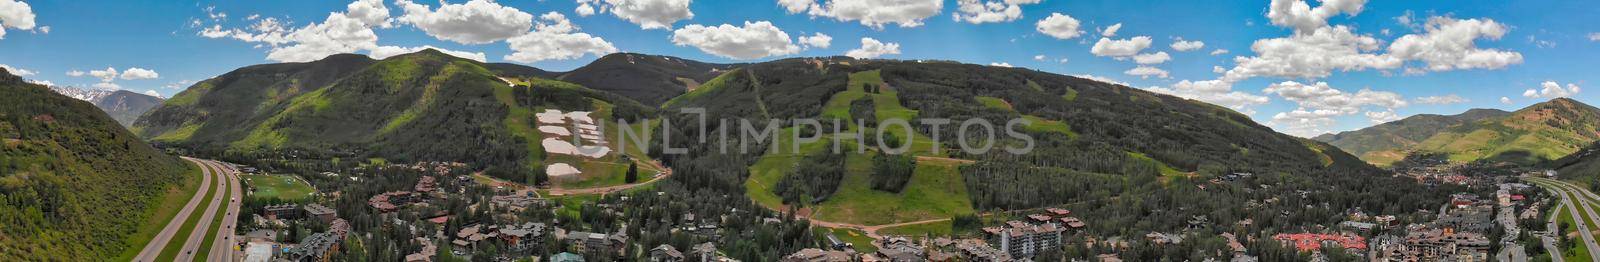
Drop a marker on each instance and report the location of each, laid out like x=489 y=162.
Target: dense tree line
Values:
x=890 y=172
x=813 y=180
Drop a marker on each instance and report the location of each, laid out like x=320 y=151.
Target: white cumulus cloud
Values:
x=1442 y=100
x=1146 y=72
x=1448 y=44
x=872 y=13
x=106 y=75
x=1152 y=58
x=1185 y=46
x=1111 y=31
x=872 y=48
x=1312 y=54
x=979 y=11
x=1379 y=117
x=382 y=52
x=17 y=71
x=1299 y=15
x=371 y=12
x=1120 y=48
x=555 y=38
x=1551 y=89
x=17 y=15
x=1059 y=26
x=751 y=41
x=336 y=35
x=818 y=40
x=135 y=73
x=473 y=22
x=648 y=14
x=1215 y=92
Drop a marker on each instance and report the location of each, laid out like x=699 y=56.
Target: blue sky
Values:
x=1476 y=51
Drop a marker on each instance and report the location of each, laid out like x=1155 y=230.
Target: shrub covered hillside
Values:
x=423 y=106
x=73 y=183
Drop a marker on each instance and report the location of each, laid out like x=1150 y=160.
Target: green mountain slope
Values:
x=1093 y=140
x=420 y=106
x=1540 y=132
x=73 y=181
x=1585 y=164
x=1385 y=143
x=424 y=106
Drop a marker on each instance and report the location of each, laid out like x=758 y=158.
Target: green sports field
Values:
x=277 y=186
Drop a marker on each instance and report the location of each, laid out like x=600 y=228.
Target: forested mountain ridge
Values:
x=1531 y=135
x=649 y=79
x=74 y=182
x=1387 y=142
x=424 y=106
x=1117 y=154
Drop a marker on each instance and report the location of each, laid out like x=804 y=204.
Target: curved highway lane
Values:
x=153 y=248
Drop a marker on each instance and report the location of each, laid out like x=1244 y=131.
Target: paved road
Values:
x=1549 y=240
x=1567 y=194
x=191 y=247
x=222 y=249
x=557 y=191
x=153 y=249
x=1510 y=250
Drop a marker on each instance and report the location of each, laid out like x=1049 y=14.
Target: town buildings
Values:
x=1020 y=239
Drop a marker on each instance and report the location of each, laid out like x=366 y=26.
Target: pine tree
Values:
x=633 y=173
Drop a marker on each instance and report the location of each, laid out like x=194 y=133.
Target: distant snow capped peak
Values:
x=91 y=95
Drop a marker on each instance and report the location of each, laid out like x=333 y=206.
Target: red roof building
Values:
x=1312 y=242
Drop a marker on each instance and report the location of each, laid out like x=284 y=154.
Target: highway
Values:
x=222 y=249
x=215 y=176
x=1587 y=199
x=1549 y=236
x=153 y=249
x=191 y=245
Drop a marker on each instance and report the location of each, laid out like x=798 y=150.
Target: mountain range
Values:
x=429 y=99
x=123 y=105
x=1531 y=135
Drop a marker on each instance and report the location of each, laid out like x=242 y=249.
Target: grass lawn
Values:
x=1036 y=124
x=860 y=240
x=216 y=224
x=175 y=246
x=168 y=206
x=935 y=191
x=570 y=205
x=1579 y=252
x=1163 y=167
x=284 y=187
x=941 y=228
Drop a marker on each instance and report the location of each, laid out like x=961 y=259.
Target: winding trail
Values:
x=153 y=248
